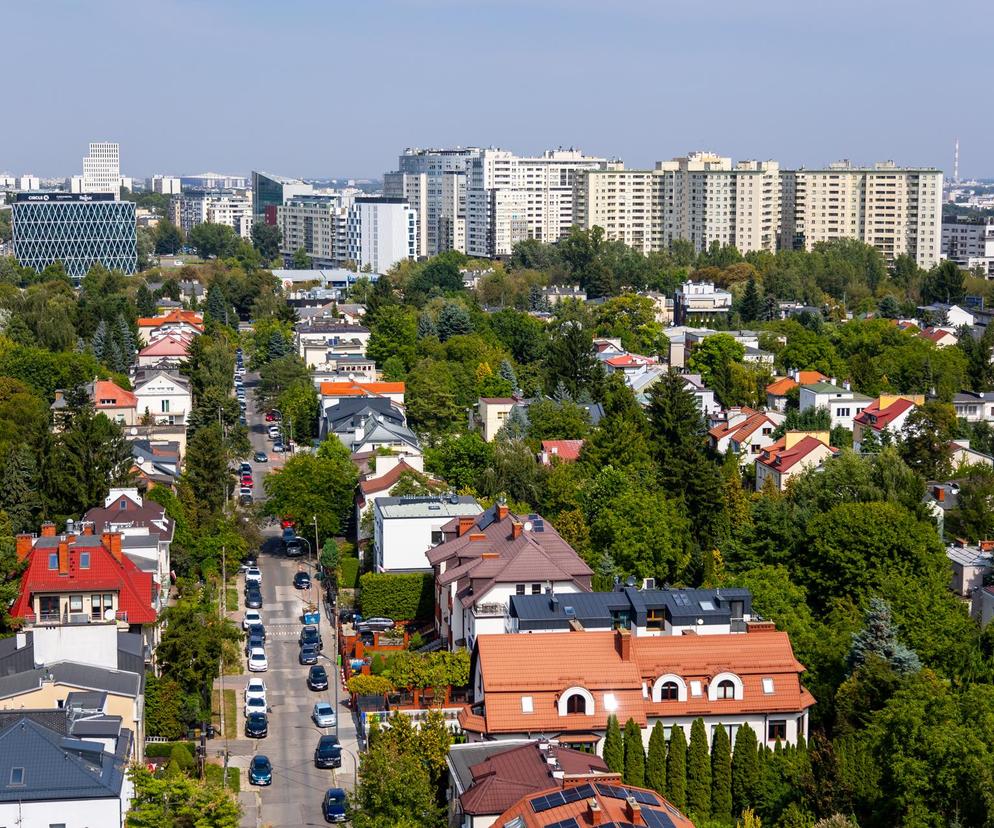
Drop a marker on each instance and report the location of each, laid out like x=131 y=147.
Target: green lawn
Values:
x=231 y=599
x=215 y=772
x=230 y=713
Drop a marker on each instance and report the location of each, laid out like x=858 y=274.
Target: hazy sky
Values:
x=340 y=87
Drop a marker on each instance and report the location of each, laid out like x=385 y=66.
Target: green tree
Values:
x=19 y=488
x=432 y=399
x=426 y=325
x=634 y=763
x=394 y=789
x=145 y=301
x=277 y=346
x=168 y=238
x=570 y=361
x=676 y=768
x=699 y=771
x=621 y=439
x=889 y=308
x=460 y=460
x=613 y=751
x=266 y=238
x=433 y=742
x=712 y=357
x=393 y=331
x=879 y=637
x=655 y=764
x=164 y=708
x=551 y=420
x=453 y=320
x=926 y=444
x=276 y=377
x=301 y=261
x=506 y=372
x=751 y=306
x=299 y=406
x=721 y=776
x=745 y=769
x=944 y=283
x=206 y=482
x=213 y=240
x=180 y=802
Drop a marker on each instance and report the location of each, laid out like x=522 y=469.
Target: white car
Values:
x=323 y=715
x=252 y=616
x=253 y=573
x=256 y=705
x=274 y=432
x=257 y=662
x=255 y=689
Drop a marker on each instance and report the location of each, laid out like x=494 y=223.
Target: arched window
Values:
x=576 y=704
x=726 y=689
x=669 y=691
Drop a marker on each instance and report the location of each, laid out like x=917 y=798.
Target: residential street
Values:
x=294 y=798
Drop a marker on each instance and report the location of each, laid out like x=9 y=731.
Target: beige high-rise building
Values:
x=701 y=198
x=897 y=210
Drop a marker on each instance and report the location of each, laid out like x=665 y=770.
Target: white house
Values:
x=745 y=432
x=888 y=414
x=164 y=396
x=406 y=528
x=842 y=403
x=494 y=412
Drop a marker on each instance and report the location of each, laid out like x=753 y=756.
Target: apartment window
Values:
x=536 y=589
x=842 y=412
x=75 y=603
x=84 y=560
x=519 y=589
x=165 y=406
x=776 y=729
x=53 y=560
x=108 y=601
x=726 y=689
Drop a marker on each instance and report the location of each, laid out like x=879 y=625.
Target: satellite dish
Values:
x=140 y=461
x=528 y=526
x=109 y=614
x=134 y=431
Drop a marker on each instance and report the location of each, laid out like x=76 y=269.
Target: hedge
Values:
x=400 y=596
x=350 y=572
x=162 y=750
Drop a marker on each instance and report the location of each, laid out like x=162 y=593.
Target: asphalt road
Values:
x=294 y=798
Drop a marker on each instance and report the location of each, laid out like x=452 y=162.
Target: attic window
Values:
x=84 y=560
x=53 y=560
x=123 y=504
x=695 y=688
x=17 y=776
x=527 y=704
x=767 y=685
x=707 y=606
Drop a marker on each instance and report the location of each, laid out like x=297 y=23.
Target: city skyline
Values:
x=645 y=85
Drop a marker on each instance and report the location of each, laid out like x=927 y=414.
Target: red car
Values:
x=247 y=480
x=287 y=523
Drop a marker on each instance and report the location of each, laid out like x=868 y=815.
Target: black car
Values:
x=251 y=559
x=302 y=580
x=256 y=631
x=254 y=641
x=317 y=678
x=294 y=548
x=328 y=753
x=253 y=599
x=310 y=635
x=334 y=806
x=257 y=725
x=308 y=654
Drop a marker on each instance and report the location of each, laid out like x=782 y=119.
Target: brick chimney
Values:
x=595 y=815
x=633 y=812
x=24 y=543
x=48 y=529
x=115 y=546
x=502 y=511
x=987 y=545
x=623 y=644
x=478 y=536
x=63 y=557
x=516 y=528
x=940 y=493
x=88 y=528
x=465 y=524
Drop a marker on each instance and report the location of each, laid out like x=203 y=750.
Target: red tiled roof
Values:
x=360 y=389
x=117 y=396
x=935 y=334
x=168 y=345
x=627 y=361
x=105 y=574
x=385 y=481
x=779 y=387
x=172 y=318
x=781 y=459
x=881 y=418
x=565 y=450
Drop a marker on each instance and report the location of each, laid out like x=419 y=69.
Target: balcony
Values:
x=494 y=609
x=53 y=617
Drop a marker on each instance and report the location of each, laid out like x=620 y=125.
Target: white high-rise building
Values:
x=165 y=184
x=897 y=210
x=970 y=243
x=511 y=198
x=381 y=232
x=425 y=178
x=230 y=207
x=28 y=182
x=102 y=168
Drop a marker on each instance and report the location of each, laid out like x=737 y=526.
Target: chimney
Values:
x=594 y=813
x=63 y=557
x=88 y=528
x=516 y=528
x=987 y=545
x=623 y=644
x=502 y=511
x=112 y=543
x=48 y=529
x=633 y=811
x=23 y=545
x=940 y=493
x=465 y=524
x=477 y=536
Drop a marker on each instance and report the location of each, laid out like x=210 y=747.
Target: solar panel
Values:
x=612 y=791
x=657 y=819
x=578 y=793
x=544 y=803
x=645 y=797
x=564 y=823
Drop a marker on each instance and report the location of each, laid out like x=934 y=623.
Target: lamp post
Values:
x=315 y=563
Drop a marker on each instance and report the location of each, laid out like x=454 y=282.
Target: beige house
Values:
x=494 y=412
x=792 y=454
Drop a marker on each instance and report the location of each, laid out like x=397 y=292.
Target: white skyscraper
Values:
x=102 y=168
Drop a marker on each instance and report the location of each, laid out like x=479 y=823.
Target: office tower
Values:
x=76 y=229
x=511 y=198
x=272 y=191
x=102 y=168
x=165 y=184
x=897 y=210
x=229 y=207
x=425 y=178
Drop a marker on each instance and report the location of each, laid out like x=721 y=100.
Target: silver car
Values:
x=323 y=715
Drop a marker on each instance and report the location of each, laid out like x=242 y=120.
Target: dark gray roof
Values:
x=51 y=717
x=85 y=676
x=97 y=727
x=139 y=541
x=86 y=700
x=55 y=767
x=14 y=659
x=351 y=412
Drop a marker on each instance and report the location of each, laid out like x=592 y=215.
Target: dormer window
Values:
x=16 y=776
x=84 y=560
x=53 y=560
x=669 y=691
x=576 y=704
x=726 y=689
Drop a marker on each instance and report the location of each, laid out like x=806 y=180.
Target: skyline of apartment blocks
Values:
x=970 y=243
x=433 y=182
x=102 y=168
x=316 y=224
x=229 y=207
x=897 y=210
x=166 y=185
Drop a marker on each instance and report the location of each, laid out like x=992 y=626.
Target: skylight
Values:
x=17 y=776
x=527 y=704
x=707 y=606
x=767 y=685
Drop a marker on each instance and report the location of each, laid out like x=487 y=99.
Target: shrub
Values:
x=181 y=757
x=369 y=685
x=156 y=750
x=401 y=596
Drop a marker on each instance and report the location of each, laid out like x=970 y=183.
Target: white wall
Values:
x=159 y=390
x=404 y=542
x=75 y=813
x=94 y=644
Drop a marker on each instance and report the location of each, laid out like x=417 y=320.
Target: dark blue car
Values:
x=261 y=770
x=334 y=806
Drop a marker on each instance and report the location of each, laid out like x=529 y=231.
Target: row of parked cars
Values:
x=328 y=751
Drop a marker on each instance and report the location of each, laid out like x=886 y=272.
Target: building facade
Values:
x=165 y=184
x=380 y=232
x=232 y=208
x=271 y=191
x=76 y=229
x=970 y=244
x=897 y=210
x=102 y=168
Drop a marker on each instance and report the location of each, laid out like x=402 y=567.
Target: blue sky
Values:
x=338 y=88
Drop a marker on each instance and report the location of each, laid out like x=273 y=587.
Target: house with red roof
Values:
x=886 y=417
x=792 y=454
x=561 y=451
x=776 y=391
x=940 y=337
x=485 y=559
x=175 y=321
x=170 y=348
x=84 y=578
x=109 y=398
x=379 y=474
x=523 y=687
x=745 y=432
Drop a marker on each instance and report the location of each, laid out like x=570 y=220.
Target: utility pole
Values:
x=315 y=566
x=224 y=601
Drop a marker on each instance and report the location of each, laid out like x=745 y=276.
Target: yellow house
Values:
x=791 y=455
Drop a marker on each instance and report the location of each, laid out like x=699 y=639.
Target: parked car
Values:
x=251 y=559
x=253 y=575
x=302 y=580
x=256 y=631
x=334 y=807
x=257 y=661
x=278 y=447
x=260 y=770
x=294 y=548
x=247 y=482
x=255 y=689
x=308 y=654
x=255 y=705
x=245 y=467
x=317 y=678
x=323 y=715
x=251 y=617
x=254 y=642
x=274 y=432
x=377 y=624
x=245 y=498
x=328 y=753
x=253 y=598
x=257 y=726
x=261 y=457
x=310 y=635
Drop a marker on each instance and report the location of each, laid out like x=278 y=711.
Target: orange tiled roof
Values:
x=779 y=387
x=779 y=458
x=935 y=334
x=360 y=389
x=565 y=450
x=113 y=394
x=879 y=418
x=174 y=317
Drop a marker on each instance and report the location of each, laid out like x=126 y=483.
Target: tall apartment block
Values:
x=433 y=183
x=898 y=210
x=229 y=207
x=970 y=243
x=102 y=168
x=510 y=198
x=701 y=198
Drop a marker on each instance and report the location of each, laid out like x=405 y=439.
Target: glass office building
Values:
x=77 y=229
x=272 y=191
